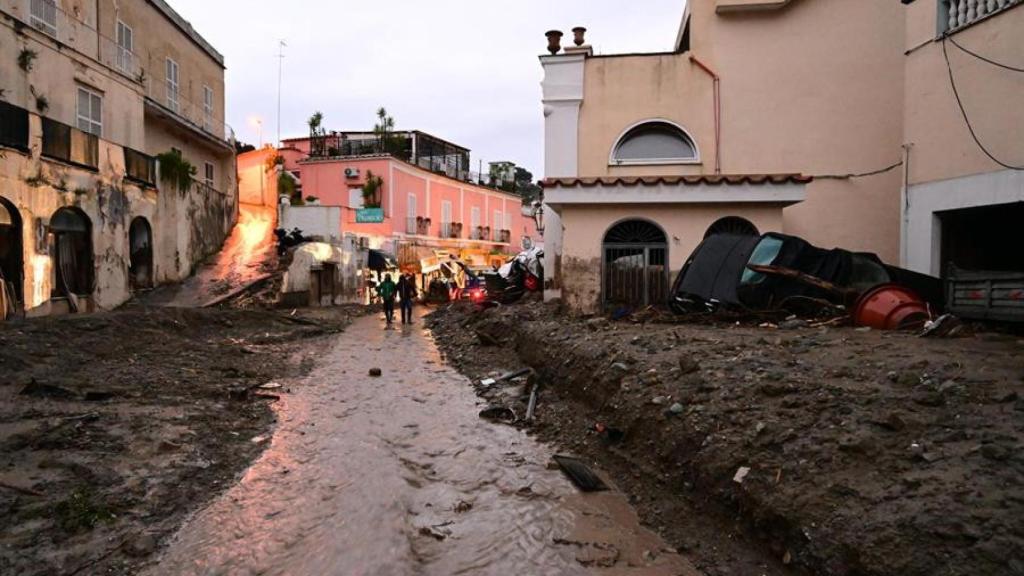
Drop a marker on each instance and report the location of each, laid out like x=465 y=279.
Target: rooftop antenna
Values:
x=280 y=71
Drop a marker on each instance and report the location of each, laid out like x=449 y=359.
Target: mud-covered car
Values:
x=718 y=274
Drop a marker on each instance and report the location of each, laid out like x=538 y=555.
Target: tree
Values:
x=525 y=185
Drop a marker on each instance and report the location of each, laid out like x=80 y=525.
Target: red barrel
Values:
x=890 y=307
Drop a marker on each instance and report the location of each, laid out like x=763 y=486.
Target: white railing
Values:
x=964 y=12
x=195 y=114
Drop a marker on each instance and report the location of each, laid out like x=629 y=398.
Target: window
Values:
x=508 y=221
x=766 y=251
x=474 y=223
x=655 y=142
x=90 y=112
x=125 y=48
x=172 y=85
x=207 y=108
x=446 y=212
x=43 y=15
x=355 y=198
x=496 y=226
x=411 y=227
x=208 y=177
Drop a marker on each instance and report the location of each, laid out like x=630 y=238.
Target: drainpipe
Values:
x=718 y=111
x=905 y=208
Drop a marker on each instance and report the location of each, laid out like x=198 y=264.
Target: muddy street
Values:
x=398 y=475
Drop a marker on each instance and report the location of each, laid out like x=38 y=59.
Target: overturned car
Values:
x=776 y=271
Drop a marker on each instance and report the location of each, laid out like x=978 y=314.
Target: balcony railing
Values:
x=140 y=167
x=503 y=236
x=451 y=230
x=67 y=144
x=13 y=126
x=480 y=233
x=417 y=225
x=960 y=13
x=194 y=114
x=121 y=59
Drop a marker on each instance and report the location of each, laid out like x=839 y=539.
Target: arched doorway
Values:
x=12 y=259
x=140 y=247
x=635 y=264
x=732 y=225
x=73 y=261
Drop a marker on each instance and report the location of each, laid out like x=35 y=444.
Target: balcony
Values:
x=13 y=127
x=502 y=236
x=451 y=230
x=162 y=102
x=418 y=226
x=480 y=233
x=961 y=13
x=66 y=144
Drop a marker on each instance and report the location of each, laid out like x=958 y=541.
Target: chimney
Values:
x=554 y=41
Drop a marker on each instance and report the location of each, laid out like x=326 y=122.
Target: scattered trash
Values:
x=270 y=386
x=609 y=434
x=376 y=372
x=580 y=474
x=259 y=439
x=944 y=326
x=891 y=307
x=461 y=507
x=438 y=532
x=488 y=382
x=533 y=402
x=741 y=474
x=498 y=413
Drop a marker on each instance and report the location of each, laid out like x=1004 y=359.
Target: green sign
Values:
x=369 y=215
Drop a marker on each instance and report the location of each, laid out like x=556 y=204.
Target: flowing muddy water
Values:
x=246 y=256
x=398 y=475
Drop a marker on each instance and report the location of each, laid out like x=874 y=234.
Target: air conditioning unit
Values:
x=351 y=172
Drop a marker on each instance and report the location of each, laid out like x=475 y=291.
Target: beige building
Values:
x=91 y=93
x=829 y=119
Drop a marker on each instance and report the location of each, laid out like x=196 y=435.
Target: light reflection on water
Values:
x=398 y=475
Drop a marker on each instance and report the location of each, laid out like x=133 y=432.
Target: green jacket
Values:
x=387 y=289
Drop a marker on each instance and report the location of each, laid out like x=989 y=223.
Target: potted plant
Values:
x=554 y=41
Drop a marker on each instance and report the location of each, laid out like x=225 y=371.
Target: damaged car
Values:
x=776 y=271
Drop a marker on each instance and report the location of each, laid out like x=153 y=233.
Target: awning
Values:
x=381 y=261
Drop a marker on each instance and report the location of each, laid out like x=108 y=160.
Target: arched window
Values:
x=732 y=225
x=655 y=142
x=73 y=261
x=635 y=265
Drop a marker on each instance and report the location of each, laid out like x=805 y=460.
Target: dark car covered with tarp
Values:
x=718 y=274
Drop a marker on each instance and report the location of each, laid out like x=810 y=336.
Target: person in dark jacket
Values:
x=387 y=290
x=407 y=292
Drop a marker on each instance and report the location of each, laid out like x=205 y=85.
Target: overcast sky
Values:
x=463 y=70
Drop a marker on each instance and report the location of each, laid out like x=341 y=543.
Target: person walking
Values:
x=387 y=290
x=407 y=292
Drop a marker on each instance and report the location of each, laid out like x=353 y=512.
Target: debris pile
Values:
x=839 y=450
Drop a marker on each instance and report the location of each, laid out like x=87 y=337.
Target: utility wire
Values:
x=963 y=112
x=983 y=58
x=858 y=175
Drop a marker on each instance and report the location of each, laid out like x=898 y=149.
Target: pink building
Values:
x=427 y=200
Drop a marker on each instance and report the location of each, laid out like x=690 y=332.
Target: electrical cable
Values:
x=858 y=175
x=963 y=112
x=983 y=58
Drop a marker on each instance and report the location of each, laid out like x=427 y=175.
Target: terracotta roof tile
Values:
x=694 y=180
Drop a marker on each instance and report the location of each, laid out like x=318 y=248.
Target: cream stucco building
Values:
x=828 y=119
x=91 y=92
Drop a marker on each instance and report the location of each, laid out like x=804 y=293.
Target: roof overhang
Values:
x=773 y=189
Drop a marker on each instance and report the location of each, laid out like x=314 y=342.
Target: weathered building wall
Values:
x=585 y=227
x=784 y=109
x=257 y=184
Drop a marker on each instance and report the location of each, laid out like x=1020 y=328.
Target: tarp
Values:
x=380 y=261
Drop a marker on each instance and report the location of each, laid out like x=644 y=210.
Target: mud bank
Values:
x=764 y=451
x=115 y=427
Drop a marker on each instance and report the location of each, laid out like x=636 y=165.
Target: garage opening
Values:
x=73 y=261
x=732 y=225
x=11 y=259
x=140 y=247
x=635 y=265
x=982 y=238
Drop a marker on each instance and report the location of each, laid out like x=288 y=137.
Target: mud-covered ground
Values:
x=758 y=450
x=114 y=427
